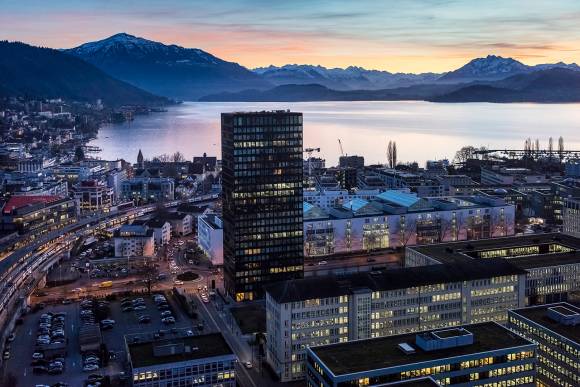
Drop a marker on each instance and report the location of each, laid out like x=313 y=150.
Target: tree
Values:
x=464 y=154
x=394 y=154
x=561 y=147
x=177 y=157
x=390 y=154
x=550 y=146
x=79 y=153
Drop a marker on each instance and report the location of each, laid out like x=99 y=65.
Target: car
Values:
x=90 y=367
x=127 y=309
x=106 y=327
x=108 y=321
x=95 y=378
x=189 y=332
x=11 y=337
x=166 y=313
x=168 y=320
x=6 y=355
x=38 y=355
x=140 y=307
x=144 y=319
x=371 y=260
x=322 y=263
x=178 y=282
x=248 y=365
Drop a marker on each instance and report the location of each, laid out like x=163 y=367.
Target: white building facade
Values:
x=210 y=235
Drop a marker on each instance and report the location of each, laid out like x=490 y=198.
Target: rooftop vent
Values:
x=406 y=348
x=564 y=315
x=168 y=349
x=443 y=339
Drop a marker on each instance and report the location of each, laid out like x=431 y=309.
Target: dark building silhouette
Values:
x=262 y=171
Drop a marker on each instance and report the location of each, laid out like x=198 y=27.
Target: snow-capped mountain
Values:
x=169 y=70
x=495 y=67
x=350 y=78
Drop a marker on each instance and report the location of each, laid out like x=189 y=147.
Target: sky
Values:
x=393 y=35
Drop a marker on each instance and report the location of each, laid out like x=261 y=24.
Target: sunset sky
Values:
x=394 y=35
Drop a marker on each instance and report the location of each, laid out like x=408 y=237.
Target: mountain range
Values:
x=125 y=68
x=46 y=73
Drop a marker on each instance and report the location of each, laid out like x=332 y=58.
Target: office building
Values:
x=485 y=354
x=351 y=162
x=210 y=236
x=325 y=310
x=571 y=217
x=551 y=261
x=93 y=195
x=262 y=175
x=204 y=360
x=37 y=214
x=555 y=328
x=396 y=218
x=134 y=241
x=148 y=189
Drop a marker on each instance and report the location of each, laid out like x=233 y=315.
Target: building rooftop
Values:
x=384 y=352
x=193 y=348
x=540 y=316
x=526 y=252
x=16 y=202
x=419 y=382
x=333 y=286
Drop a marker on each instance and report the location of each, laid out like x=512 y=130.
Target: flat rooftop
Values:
x=526 y=252
x=539 y=315
x=383 y=352
x=204 y=346
x=334 y=286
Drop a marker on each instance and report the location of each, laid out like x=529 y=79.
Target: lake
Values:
x=422 y=130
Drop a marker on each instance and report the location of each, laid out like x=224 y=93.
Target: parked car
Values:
x=90 y=367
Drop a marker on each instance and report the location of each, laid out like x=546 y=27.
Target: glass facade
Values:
x=262 y=172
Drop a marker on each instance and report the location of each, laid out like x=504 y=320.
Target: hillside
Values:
x=47 y=73
x=168 y=70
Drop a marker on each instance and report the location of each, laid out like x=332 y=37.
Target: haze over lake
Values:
x=422 y=130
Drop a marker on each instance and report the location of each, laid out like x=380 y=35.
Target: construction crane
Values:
x=340 y=145
x=309 y=152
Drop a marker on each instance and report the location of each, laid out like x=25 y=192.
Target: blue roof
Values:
x=400 y=198
x=355 y=204
x=306 y=207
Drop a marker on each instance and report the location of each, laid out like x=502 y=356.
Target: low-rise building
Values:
x=551 y=261
x=204 y=360
x=134 y=241
x=181 y=223
x=555 y=328
x=30 y=214
x=396 y=218
x=484 y=354
x=210 y=237
x=161 y=230
x=324 y=310
x=571 y=218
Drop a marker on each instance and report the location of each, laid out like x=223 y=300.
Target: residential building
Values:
x=335 y=198
x=551 y=261
x=555 y=328
x=37 y=214
x=181 y=223
x=93 y=195
x=262 y=175
x=485 y=354
x=134 y=241
x=148 y=189
x=161 y=230
x=204 y=360
x=210 y=236
x=325 y=310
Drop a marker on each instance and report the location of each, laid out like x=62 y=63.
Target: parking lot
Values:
x=125 y=323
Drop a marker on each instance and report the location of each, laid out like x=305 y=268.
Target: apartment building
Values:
x=134 y=241
x=325 y=310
